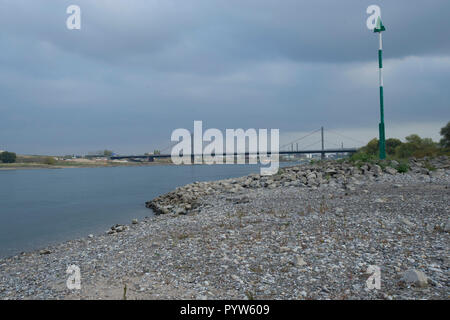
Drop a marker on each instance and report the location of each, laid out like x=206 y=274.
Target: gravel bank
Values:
x=310 y=232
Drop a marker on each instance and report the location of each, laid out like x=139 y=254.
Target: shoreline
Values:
x=108 y=165
x=274 y=237
x=8 y=167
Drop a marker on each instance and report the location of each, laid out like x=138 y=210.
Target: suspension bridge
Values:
x=288 y=149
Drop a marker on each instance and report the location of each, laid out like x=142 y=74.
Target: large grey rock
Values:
x=408 y=223
x=300 y=262
x=390 y=170
x=447 y=226
x=311 y=176
x=119 y=228
x=180 y=211
x=376 y=169
x=437 y=173
x=339 y=212
x=415 y=277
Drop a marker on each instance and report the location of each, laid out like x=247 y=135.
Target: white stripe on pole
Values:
x=381 y=69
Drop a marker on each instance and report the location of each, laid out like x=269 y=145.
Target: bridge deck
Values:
x=345 y=150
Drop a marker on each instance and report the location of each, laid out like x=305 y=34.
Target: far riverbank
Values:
x=21 y=166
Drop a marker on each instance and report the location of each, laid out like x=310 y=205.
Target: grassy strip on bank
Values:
x=58 y=164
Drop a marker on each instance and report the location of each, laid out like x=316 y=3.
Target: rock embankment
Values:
x=344 y=174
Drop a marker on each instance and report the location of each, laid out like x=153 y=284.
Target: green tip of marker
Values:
x=379 y=26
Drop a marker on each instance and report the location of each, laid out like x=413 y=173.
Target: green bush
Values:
x=445 y=133
x=8 y=157
x=417 y=147
x=363 y=157
x=372 y=147
x=414 y=146
x=391 y=145
x=49 y=160
x=402 y=167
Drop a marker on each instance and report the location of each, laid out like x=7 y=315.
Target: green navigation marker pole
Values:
x=379 y=28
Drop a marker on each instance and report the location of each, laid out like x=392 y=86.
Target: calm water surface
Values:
x=44 y=206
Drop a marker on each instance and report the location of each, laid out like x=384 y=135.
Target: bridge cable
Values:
x=301 y=138
x=344 y=136
x=304 y=149
x=330 y=142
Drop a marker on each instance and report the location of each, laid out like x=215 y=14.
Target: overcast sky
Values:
x=139 y=69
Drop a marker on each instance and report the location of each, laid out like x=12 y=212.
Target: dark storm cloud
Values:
x=138 y=69
x=173 y=34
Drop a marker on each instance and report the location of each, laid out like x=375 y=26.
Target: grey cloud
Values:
x=195 y=35
x=137 y=70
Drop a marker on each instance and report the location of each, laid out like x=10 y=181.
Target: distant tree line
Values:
x=445 y=133
x=414 y=146
x=8 y=157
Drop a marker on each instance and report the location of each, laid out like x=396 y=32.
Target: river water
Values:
x=43 y=206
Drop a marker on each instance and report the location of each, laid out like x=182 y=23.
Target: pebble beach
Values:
x=312 y=231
